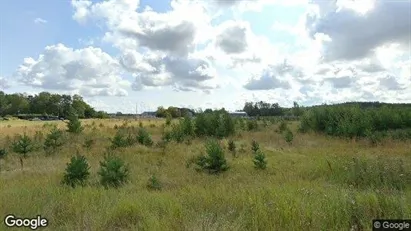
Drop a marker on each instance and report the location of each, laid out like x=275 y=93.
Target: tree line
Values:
x=47 y=104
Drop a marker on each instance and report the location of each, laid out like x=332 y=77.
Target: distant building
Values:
x=149 y=114
x=238 y=114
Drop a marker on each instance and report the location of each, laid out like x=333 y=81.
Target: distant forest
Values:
x=47 y=104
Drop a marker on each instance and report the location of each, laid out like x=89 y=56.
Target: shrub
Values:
x=144 y=138
x=177 y=133
x=74 y=124
x=119 y=140
x=154 y=183
x=168 y=119
x=187 y=126
x=259 y=160
x=252 y=125
x=22 y=146
x=255 y=146
x=214 y=161
x=3 y=153
x=288 y=136
x=113 y=172
x=88 y=143
x=54 y=140
x=283 y=126
x=231 y=146
x=77 y=171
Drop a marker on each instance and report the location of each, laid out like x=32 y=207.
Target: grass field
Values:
x=315 y=183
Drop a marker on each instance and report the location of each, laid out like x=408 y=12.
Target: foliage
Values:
x=352 y=121
x=259 y=160
x=214 y=161
x=77 y=171
x=255 y=146
x=283 y=126
x=54 y=140
x=143 y=137
x=88 y=143
x=252 y=125
x=262 y=109
x=231 y=146
x=45 y=105
x=120 y=140
x=288 y=136
x=74 y=124
x=216 y=123
x=154 y=183
x=3 y=153
x=113 y=172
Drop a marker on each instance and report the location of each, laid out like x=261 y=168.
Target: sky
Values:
x=126 y=54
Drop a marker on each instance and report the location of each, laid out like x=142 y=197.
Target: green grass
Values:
x=312 y=184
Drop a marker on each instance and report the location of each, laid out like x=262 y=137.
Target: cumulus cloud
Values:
x=271 y=78
x=154 y=70
x=356 y=28
x=4 y=84
x=89 y=70
x=233 y=37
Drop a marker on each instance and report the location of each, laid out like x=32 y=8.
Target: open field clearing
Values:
x=313 y=183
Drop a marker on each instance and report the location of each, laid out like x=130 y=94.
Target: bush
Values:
x=88 y=143
x=177 y=133
x=3 y=153
x=252 y=125
x=259 y=160
x=77 y=171
x=113 y=172
x=119 y=140
x=288 y=136
x=214 y=161
x=231 y=146
x=22 y=146
x=255 y=146
x=168 y=119
x=144 y=138
x=154 y=183
x=74 y=124
x=54 y=140
x=283 y=126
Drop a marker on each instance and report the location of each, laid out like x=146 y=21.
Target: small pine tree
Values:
x=255 y=146
x=119 y=140
x=74 y=124
x=144 y=138
x=168 y=119
x=113 y=172
x=259 y=160
x=54 y=140
x=3 y=153
x=88 y=143
x=22 y=145
x=283 y=126
x=154 y=183
x=288 y=136
x=215 y=161
x=77 y=171
x=232 y=147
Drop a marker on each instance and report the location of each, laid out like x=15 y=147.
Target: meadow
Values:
x=314 y=182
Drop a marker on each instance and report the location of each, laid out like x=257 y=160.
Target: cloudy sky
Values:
x=121 y=53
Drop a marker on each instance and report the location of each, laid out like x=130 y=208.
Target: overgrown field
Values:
x=179 y=179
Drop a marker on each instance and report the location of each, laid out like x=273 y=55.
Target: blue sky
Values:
x=216 y=59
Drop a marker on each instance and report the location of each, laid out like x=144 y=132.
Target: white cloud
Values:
x=89 y=70
x=4 y=83
x=40 y=21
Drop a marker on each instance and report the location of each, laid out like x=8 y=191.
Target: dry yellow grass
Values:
x=297 y=191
